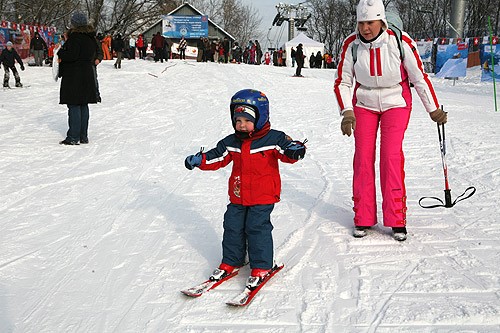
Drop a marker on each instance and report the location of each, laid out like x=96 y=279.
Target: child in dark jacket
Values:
x=8 y=58
x=254 y=185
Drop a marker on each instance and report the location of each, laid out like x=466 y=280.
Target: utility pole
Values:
x=296 y=15
x=457 y=18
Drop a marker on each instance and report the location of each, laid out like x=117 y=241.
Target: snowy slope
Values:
x=101 y=237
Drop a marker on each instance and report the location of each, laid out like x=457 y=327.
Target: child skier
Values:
x=7 y=58
x=254 y=185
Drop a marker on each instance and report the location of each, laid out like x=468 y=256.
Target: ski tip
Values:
x=236 y=305
x=190 y=294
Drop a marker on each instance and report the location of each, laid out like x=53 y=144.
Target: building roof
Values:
x=199 y=13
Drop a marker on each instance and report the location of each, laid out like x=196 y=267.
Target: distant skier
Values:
x=254 y=185
x=7 y=58
x=299 y=58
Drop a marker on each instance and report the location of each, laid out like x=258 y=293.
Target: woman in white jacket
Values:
x=372 y=86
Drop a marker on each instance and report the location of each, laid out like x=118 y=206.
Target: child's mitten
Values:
x=193 y=161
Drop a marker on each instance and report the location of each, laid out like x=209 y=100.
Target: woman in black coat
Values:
x=78 y=84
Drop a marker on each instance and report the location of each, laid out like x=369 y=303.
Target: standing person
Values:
x=106 y=45
x=37 y=47
x=200 y=45
x=258 y=53
x=144 y=49
x=283 y=56
x=312 y=61
x=131 y=45
x=253 y=54
x=254 y=184
x=382 y=98
x=118 y=46
x=222 y=52
x=226 y=45
x=267 y=58
x=216 y=51
x=140 y=44
x=182 y=48
x=280 y=57
x=292 y=55
x=299 y=58
x=206 y=49
x=78 y=86
x=8 y=57
x=319 y=60
x=157 y=44
x=166 y=49
x=50 y=52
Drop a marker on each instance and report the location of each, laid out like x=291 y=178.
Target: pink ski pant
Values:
x=393 y=124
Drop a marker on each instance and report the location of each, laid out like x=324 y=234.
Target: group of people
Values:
x=321 y=61
x=372 y=87
x=118 y=47
x=221 y=51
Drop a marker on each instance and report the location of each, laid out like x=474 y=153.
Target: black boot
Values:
x=399 y=233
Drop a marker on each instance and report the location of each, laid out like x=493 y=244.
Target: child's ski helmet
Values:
x=256 y=100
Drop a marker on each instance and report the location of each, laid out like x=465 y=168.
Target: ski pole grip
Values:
x=447 y=199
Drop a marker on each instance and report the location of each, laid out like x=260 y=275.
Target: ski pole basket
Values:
x=448 y=202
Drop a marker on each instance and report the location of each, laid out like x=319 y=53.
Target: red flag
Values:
x=13 y=25
x=5 y=24
x=476 y=41
x=495 y=40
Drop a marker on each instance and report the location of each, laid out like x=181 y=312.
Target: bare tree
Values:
x=239 y=20
x=333 y=20
x=48 y=12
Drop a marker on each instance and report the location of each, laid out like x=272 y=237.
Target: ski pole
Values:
x=448 y=203
x=442 y=145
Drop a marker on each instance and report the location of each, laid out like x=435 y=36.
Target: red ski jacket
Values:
x=255 y=178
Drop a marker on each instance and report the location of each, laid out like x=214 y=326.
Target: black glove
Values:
x=22 y=67
x=296 y=150
x=193 y=161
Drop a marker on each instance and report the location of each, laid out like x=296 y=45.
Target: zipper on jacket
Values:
x=376 y=62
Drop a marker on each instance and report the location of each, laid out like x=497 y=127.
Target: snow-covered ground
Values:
x=102 y=237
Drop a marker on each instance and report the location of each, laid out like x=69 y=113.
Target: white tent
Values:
x=309 y=46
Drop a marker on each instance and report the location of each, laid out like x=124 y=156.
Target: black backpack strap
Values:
x=354 y=52
x=399 y=40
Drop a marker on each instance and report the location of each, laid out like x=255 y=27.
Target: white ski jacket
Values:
x=376 y=81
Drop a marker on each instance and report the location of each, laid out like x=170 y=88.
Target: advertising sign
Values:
x=487 y=68
x=176 y=26
x=451 y=60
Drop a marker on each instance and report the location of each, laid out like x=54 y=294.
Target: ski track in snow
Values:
x=101 y=237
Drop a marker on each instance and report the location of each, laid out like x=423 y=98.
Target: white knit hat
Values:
x=371 y=10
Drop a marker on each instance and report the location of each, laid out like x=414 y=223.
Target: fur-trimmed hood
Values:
x=84 y=29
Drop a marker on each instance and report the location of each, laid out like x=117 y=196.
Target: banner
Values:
x=190 y=50
x=425 y=50
x=451 y=60
x=486 y=66
x=176 y=26
x=4 y=37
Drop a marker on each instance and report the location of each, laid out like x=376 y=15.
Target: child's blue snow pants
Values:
x=248 y=225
